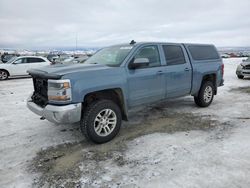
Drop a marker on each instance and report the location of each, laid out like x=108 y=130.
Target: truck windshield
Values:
x=111 y=56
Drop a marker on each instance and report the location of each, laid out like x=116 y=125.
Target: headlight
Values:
x=59 y=90
x=242 y=66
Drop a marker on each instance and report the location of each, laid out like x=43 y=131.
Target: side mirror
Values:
x=139 y=62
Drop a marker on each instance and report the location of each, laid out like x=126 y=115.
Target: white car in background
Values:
x=18 y=66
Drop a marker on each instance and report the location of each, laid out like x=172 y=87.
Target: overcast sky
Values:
x=56 y=23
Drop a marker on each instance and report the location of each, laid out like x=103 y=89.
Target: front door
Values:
x=146 y=84
x=19 y=67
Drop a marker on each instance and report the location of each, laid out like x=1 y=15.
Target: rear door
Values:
x=36 y=62
x=146 y=84
x=178 y=70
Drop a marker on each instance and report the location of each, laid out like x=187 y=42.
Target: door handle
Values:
x=186 y=69
x=159 y=72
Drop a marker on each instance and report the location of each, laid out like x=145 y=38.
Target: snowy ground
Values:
x=173 y=144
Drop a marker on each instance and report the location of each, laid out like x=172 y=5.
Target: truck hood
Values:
x=57 y=71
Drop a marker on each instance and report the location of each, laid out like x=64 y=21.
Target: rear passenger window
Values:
x=150 y=52
x=202 y=52
x=35 y=60
x=40 y=60
x=173 y=55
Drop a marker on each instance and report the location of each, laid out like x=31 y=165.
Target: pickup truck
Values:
x=100 y=92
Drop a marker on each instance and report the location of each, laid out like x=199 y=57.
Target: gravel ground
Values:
x=170 y=144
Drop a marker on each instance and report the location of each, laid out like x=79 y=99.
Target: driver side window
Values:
x=21 y=61
x=151 y=53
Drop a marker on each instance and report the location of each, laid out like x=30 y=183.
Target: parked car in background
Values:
x=100 y=92
x=52 y=57
x=81 y=59
x=76 y=60
x=67 y=60
x=67 y=57
x=243 y=69
x=59 y=58
x=6 y=57
x=18 y=66
x=225 y=56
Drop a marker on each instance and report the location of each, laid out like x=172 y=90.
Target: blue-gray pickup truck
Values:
x=100 y=92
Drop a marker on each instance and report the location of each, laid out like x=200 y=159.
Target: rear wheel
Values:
x=101 y=121
x=3 y=75
x=206 y=94
x=240 y=76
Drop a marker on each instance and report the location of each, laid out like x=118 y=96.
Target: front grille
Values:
x=40 y=96
x=247 y=67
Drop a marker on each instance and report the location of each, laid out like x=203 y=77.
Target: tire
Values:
x=101 y=121
x=4 y=75
x=240 y=76
x=206 y=94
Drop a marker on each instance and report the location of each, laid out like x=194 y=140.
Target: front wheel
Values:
x=3 y=75
x=101 y=121
x=206 y=94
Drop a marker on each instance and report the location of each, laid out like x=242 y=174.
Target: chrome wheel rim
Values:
x=3 y=75
x=105 y=122
x=208 y=94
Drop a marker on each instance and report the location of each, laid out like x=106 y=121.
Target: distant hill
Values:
x=234 y=49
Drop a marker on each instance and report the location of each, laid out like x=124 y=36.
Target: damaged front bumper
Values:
x=57 y=114
x=242 y=71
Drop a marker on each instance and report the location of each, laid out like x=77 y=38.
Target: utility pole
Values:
x=76 y=43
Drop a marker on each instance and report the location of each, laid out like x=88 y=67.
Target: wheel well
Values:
x=115 y=95
x=6 y=71
x=212 y=78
